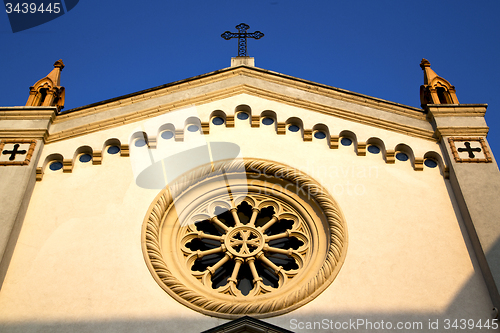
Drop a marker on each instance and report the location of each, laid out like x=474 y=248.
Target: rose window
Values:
x=244 y=238
x=246 y=250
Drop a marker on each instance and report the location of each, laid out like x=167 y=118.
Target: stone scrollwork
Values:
x=247 y=237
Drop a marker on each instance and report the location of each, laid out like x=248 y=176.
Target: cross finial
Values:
x=242 y=36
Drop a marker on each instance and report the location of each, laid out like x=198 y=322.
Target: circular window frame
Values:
x=179 y=284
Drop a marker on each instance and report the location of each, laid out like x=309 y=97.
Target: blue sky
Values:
x=112 y=48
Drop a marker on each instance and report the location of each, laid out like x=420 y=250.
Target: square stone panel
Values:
x=16 y=151
x=472 y=150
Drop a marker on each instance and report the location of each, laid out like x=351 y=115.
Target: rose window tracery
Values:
x=247 y=250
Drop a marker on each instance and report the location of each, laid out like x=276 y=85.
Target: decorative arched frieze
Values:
x=308 y=134
x=333 y=141
x=440 y=162
x=351 y=136
x=361 y=148
x=228 y=120
x=114 y=142
x=281 y=128
x=379 y=144
x=165 y=127
x=270 y=114
x=51 y=158
x=243 y=108
x=192 y=121
x=255 y=122
x=111 y=142
x=204 y=127
x=124 y=150
x=295 y=121
x=417 y=162
x=320 y=127
x=68 y=163
x=87 y=150
x=140 y=135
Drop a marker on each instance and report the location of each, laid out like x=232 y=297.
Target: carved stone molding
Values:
x=361 y=148
x=255 y=121
x=281 y=128
x=210 y=196
x=334 y=141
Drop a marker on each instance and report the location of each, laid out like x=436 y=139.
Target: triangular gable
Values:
x=241 y=80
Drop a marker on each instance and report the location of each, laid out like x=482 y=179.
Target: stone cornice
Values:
x=461 y=131
x=40 y=134
x=266 y=75
x=457 y=110
x=28 y=113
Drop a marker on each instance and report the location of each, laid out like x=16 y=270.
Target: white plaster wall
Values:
x=78 y=264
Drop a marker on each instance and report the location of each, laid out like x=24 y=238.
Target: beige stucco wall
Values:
x=78 y=263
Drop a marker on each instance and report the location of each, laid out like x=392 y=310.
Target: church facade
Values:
x=246 y=200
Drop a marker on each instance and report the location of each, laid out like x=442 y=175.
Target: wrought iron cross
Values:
x=242 y=36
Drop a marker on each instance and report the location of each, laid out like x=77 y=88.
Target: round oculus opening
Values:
x=140 y=143
x=402 y=157
x=167 y=135
x=373 y=149
x=113 y=150
x=217 y=121
x=346 y=142
x=320 y=135
x=54 y=166
x=84 y=158
x=193 y=128
x=242 y=115
x=293 y=128
x=268 y=121
x=430 y=163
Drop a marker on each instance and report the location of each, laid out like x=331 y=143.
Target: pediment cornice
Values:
x=240 y=80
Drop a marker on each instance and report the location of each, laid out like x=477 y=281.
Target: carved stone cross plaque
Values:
x=16 y=151
x=471 y=150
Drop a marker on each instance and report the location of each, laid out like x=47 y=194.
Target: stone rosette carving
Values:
x=288 y=247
